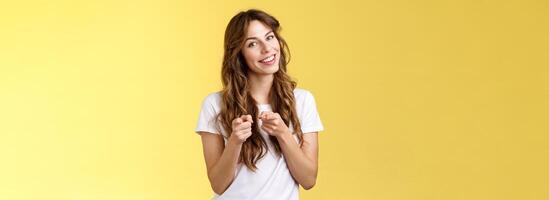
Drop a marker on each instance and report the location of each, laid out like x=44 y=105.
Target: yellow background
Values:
x=420 y=99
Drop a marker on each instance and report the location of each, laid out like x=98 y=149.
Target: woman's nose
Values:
x=267 y=48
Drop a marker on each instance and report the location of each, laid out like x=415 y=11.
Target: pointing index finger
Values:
x=237 y=121
x=268 y=115
x=248 y=118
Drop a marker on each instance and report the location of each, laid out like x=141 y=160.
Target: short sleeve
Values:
x=207 y=116
x=310 y=119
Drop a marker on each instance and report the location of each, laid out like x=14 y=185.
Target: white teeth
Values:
x=269 y=59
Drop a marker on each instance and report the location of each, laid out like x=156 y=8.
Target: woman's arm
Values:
x=302 y=162
x=221 y=161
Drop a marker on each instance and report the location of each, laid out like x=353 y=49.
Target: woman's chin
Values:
x=270 y=69
x=265 y=70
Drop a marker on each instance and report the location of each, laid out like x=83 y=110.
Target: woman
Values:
x=259 y=133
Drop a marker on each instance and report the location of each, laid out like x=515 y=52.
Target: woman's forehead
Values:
x=257 y=29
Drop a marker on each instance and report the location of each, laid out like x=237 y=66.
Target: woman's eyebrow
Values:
x=256 y=37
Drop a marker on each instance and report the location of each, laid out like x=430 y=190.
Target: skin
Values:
x=221 y=159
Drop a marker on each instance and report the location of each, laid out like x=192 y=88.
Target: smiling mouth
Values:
x=269 y=59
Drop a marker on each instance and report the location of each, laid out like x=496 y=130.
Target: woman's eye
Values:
x=251 y=44
x=270 y=37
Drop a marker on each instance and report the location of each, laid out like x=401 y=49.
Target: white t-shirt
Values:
x=272 y=179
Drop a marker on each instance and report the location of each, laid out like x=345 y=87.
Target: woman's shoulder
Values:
x=301 y=94
x=214 y=95
x=213 y=99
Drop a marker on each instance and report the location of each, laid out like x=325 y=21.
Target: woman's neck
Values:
x=260 y=86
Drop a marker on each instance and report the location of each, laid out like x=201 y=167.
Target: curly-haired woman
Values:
x=260 y=133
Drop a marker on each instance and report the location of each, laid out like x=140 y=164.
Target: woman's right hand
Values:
x=242 y=128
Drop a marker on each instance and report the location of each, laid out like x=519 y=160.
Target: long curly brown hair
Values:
x=236 y=97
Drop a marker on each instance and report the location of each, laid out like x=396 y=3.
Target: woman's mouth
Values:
x=269 y=60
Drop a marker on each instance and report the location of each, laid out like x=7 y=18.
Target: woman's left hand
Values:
x=273 y=124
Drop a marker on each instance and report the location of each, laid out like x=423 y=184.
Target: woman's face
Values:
x=261 y=49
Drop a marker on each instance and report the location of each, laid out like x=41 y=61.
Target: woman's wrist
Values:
x=284 y=135
x=233 y=140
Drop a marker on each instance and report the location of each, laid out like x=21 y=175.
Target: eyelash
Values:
x=268 y=38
